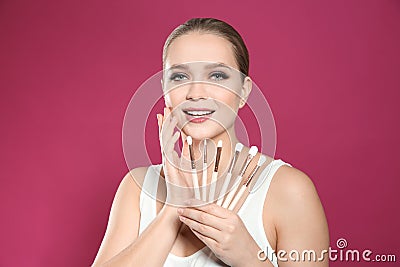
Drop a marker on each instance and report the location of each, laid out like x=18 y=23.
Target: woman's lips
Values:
x=198 y=115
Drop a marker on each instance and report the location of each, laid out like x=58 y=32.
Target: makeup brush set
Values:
x=240 y=184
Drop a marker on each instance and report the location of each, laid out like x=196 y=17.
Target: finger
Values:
x=185 y=146
x=169 y=151
x=159 y=122
x=210 y=208
x=171 y=160
x=203 y=218
x=168 y=118
x=169 y=125
x=163 y=117
x=170 y=144
x=175 y=137
x=167 y=131
x=167 y=112
x=211 y=243
x=203 y=229
x=184 y=137
x=184 y=155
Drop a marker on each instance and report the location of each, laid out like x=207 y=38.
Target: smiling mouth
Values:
x=198 y=113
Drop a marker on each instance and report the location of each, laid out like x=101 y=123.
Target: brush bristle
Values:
x=219 y=143
x=189 y=140
x=261 y=160
x=239 y=147
x=253 y=150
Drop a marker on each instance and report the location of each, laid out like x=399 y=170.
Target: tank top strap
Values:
x=147 y=203
x=251 y=210
x=266 y=177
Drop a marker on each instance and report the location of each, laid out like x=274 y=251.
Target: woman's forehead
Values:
x=200 y=47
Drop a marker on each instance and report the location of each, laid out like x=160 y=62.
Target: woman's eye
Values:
x=178 y=77
x=217 y=76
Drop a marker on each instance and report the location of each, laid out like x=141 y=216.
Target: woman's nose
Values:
x=197 y=90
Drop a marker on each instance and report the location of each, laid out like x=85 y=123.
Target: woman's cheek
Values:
x=230 y=100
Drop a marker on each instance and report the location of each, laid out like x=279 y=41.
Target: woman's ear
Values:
x=246 y=89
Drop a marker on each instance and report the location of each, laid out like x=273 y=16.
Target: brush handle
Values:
x=224 y=188
x=237 y=197
x=204 y=181
x=231 y=194
x=212 y=186
x=195 y=184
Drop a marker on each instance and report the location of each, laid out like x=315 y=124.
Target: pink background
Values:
x=330 y=72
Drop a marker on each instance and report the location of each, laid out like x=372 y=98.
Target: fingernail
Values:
x=180 y=210
x=181 y=218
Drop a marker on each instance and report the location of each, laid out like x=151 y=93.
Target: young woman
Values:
x=283 y=215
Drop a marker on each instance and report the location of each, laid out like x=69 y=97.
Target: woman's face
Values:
x=202 y=84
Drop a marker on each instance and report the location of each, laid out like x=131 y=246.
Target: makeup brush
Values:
x=194 y=171
x=215 y=172
x=204 y=181
x=238 y=149
x=246 y=183
x=252 y=152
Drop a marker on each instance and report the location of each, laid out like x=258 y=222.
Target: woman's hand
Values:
x=222 y=231
x=177 y=173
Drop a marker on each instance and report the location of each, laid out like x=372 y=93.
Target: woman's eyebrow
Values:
x=178 y=66
x=207 y=66
x=215 y=65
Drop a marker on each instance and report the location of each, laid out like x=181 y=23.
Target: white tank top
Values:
x=250 y=213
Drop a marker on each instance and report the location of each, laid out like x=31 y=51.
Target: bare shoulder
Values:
x=137 y=172
x=293 y=185
x=130 y=185
x=294 y=195
x=298 y=217
x=134 y=178
x=127 y=198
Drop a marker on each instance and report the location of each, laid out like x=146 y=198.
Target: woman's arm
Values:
x=299 y=219
x=121 y=245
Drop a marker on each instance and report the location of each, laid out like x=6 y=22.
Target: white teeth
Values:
x=198 y=113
